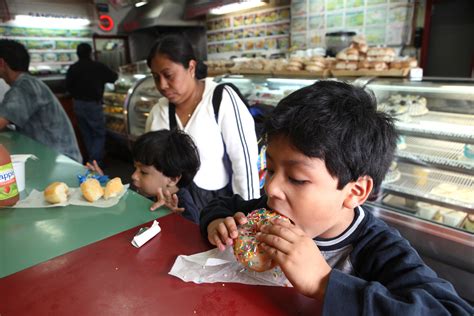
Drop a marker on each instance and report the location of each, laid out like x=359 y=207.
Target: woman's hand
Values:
x=222 y=231
x=298 y=256
x=167 y=199
x=94 y=167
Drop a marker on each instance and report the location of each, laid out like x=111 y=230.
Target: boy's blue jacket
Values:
x=375 y=270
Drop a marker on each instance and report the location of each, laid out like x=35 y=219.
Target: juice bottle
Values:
x=8 y=188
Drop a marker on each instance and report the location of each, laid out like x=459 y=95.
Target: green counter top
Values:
x=29 y=236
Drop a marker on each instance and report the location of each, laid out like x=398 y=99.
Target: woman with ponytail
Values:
x=227 y=143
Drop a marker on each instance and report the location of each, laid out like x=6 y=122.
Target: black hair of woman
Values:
x=172 y=152
x=179 y=50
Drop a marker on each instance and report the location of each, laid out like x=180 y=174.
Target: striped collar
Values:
x=344 y=238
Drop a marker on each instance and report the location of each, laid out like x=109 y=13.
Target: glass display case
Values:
x=428 y=194
x=115 y=98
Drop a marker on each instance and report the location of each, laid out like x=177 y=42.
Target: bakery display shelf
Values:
x=412 y=208
x=237 y=71
x=442 y=154
x=440 y=125
x=371 y=73
x=302 y=74
x=423 y=184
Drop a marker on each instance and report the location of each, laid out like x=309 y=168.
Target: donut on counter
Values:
x=247 y=249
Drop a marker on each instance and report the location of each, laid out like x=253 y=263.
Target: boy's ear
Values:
x=173 y=181
x=192 y=67
x=359 y=191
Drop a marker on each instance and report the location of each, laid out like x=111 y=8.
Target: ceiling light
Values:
x=234 y=7
x=49 y=22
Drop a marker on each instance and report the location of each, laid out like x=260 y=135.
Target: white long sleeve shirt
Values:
x=235 y=127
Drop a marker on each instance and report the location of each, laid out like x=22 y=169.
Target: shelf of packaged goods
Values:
x=444 y=188
x=266 y=101
x=440 y=125
x=442 y=154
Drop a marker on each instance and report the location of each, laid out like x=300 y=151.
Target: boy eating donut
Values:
x=328 y=151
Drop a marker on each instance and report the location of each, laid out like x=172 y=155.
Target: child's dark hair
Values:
x=339 y=123
x=179 y=50
x=171 y=152
x=15 y=55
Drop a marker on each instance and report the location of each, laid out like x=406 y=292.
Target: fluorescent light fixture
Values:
x=234 y=7
x=140 y=3
x=50 y=22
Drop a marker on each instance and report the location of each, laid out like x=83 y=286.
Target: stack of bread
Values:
x=219 y=65
x=296 y=63
x=316 y=63
x=359 y=56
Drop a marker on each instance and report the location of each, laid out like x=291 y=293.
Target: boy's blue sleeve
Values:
x=350 y=295
x=390 y=278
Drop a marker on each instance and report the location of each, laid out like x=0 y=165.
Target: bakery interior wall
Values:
x=383 y=22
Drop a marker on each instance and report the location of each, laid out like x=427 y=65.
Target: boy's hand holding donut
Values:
x=222 y=231
x=298 y=257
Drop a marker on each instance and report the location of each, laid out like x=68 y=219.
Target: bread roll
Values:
x=113 y=188
x=91 y=190
x=56 y=192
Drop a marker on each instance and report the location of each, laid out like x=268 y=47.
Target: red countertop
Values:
x=111 y=277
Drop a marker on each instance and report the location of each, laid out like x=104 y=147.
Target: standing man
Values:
x=31 y=106
x=85 y=81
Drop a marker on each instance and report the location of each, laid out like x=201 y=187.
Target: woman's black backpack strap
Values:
x=217 y=96
x=172 y=116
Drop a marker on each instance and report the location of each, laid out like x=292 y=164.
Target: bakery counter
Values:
x=34 y=235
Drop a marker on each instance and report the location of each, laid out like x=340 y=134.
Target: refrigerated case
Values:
x=115 y=98
x=428 y=194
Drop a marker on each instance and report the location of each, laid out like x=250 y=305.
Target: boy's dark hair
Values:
x=171 y=152
x=338 y=123
x=84 y=51
x=179 y=50
x=15 y=55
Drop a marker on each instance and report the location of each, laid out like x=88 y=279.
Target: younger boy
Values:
x=166 y=162
x=328 y=149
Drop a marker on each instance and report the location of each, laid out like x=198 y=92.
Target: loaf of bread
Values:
x=113 y=188
x=91 y=190
x=56 y=192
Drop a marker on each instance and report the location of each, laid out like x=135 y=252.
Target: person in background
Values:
x=328 y=148
x=165 y=164
x=227 y=144
x=85 y=81
x=3 y=89
x=31 y=106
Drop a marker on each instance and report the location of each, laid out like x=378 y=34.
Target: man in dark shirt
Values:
x=85 y=81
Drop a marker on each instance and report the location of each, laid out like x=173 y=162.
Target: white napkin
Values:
x=36 y=199
x=145 y=234
x=23 y=157
x=215 y=266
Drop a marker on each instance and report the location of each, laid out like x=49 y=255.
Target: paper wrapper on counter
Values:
x=145 y=234
x=215 y=266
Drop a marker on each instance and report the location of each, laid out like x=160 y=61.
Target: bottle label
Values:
x=8 y=187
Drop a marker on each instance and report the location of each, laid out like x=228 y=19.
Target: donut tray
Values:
x=444 y=154
x=418 y=183
x=445 y=126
